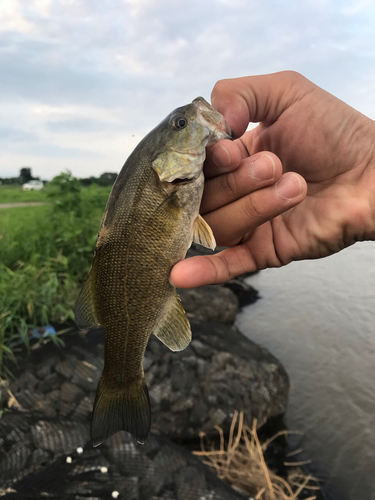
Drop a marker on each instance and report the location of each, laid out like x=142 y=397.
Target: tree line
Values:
x=106 y=179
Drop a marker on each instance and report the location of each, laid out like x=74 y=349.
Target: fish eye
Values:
x=180 y=122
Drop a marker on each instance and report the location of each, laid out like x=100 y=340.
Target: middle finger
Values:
x=254 y=172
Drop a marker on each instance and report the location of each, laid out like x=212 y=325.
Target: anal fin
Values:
x=202 y=233
x=174 y=327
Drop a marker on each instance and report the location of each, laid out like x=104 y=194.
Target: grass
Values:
x=241 y=463
x=35 y=234
x=45 y=254
x=31 y=297
x=15 y=194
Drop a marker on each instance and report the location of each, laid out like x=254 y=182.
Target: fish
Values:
x=150 y=221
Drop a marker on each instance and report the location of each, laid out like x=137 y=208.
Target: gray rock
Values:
x=220 y=372
x=48 y=382
x=210 y=303
x=59 y=438
x=70 y=392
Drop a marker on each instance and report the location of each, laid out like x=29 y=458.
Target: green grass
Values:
x=32 y=297
x=34 y=234
x=45 y=255
x=15 y=194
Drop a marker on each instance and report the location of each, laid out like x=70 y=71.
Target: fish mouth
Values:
x=211 y=118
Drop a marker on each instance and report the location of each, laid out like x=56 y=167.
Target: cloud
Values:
x=81 y=125
x=16 y=135
x=75 y=70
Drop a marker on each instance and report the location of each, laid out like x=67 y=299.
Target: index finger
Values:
x=224 y=156
x=258 y=98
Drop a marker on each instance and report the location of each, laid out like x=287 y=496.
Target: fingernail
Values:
x=221 y=159
x=288 y=187
x=263 y=168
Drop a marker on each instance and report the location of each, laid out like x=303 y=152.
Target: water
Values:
x=318 y=318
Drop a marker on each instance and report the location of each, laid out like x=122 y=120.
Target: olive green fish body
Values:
x=150 y=220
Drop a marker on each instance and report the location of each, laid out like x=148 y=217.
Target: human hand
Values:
x=326 y=150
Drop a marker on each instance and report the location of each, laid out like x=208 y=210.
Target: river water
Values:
x=318 y=318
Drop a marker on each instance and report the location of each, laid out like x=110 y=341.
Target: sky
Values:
x=82 y=81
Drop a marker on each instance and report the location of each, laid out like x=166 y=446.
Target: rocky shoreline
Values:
x=191 y=391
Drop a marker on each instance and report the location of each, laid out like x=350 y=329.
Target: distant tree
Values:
x=25 y=174
x=108 y=178
x=88 y=181
x=11 y=180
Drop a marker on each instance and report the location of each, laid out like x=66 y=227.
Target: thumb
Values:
x=258 y=98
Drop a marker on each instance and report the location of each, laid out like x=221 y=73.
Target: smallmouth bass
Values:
x=151 y=218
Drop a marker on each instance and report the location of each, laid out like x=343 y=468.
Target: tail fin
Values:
x=121 y=409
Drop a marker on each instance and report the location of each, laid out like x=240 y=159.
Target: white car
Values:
x=33 y=186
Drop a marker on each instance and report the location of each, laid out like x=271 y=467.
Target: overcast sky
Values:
x=82 y=81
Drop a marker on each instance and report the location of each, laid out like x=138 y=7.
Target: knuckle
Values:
x=224 y=273
x=253 y=207
x=229 y=185
x=293 y=74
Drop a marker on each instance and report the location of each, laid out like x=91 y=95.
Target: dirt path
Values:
x=22 y=204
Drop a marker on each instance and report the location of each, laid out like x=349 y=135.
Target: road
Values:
x=22 y=204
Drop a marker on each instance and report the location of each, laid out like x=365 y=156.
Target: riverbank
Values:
x=197 y=389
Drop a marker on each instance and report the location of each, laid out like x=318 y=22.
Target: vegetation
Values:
x=240 y=461
x=15 y=194
x=45 y=254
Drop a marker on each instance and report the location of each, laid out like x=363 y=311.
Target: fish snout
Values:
x=212 y=119
x=224 y=129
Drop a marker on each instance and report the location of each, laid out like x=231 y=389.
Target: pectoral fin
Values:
x=174 y=327
x=202 y=233
x=85 y=313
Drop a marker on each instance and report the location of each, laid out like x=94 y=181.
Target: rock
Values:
x=70 y=392
x=48 y=383
x=246 y=294
x=158 y=470
x=86 y=375
x=190 y=483
x=59 y=438
x=210 y=303
x=193 y=390
x=66 y=367
x=220 y=372
x=84 y=408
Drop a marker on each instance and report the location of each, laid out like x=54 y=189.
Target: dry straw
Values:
x=241 y=462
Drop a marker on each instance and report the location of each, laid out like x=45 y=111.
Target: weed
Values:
x=15 y=194
x=45 y=254
x=31 y=297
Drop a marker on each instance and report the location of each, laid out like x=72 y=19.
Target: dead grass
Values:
x=241 y=463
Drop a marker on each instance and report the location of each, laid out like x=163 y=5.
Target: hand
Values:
x=323 y=202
